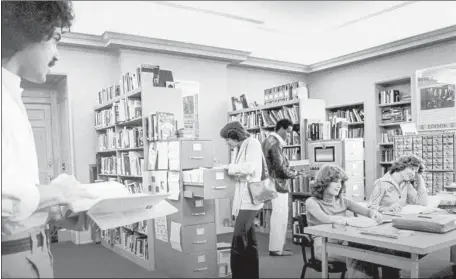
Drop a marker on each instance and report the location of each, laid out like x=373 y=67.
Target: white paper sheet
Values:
x=174 y=155
x=173 y=185
x=175 y=236
x=161 y=229
x=162 y=149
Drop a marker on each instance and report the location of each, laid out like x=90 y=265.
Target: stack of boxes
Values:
x=287 y=92
x=438 y=154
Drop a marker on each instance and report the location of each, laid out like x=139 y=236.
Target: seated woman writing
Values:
x=402 y=185
x=328 y=206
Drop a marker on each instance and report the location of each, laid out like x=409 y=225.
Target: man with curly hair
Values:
x=30 y=33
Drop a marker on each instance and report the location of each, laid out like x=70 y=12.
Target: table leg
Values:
x=324 y=259
x=415 y=266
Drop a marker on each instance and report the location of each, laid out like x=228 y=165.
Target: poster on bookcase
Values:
x=190 y=95
x=435 y=98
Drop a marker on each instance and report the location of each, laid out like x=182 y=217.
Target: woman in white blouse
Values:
x=247 y=166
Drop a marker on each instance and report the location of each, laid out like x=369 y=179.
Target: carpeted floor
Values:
x=95 y=261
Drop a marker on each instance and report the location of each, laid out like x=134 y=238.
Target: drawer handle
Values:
x=196 y=158
x=200 y=269
x=199 y=214
x=199 y=241
x=219 y=187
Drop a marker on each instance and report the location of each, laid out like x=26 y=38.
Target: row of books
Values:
x=292 y=154
x=133 y=186
x=392 y=96
x=393 y=115
x=388 y=136
x=387 y=155
x=318 y=130
x=121 y=111
x=298 y=207
x=140 y=227
x=108 y=94
x=127 y=164
x=290 y=91
x=293 y=139
x=161 y=126
x=241 y=103
x=352 y=115
x=356 y=133
x=267 y=118
x=135 y=243
x=124 y=139
x=300 y=185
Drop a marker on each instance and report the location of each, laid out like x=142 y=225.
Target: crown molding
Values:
x=269 y=64
x=440 y=35
x=110 y=41
x=116 y=41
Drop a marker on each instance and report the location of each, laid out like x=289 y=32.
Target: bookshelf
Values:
x=260 y=121
x=122 y=149
x=350 y=114
x=394 y=107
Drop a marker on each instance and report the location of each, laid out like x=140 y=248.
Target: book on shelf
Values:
x=107 y=165
x=267 y=118
x=127 y=240
x=388 y=136
x=130 y=163
x=127 y=109
x=298 y=207
x=106 y=117
x=393 y=115
x=108 y=94
x=286 y=92
x=318 y=129
x=389 y=96
x=115 y=206
x=352 y=115
x=161 y=126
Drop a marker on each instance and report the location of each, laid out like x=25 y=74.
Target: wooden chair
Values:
x=312 y=262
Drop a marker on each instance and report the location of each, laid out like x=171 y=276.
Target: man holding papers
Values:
x=30 y=33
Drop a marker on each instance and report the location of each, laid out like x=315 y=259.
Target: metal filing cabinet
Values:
x=197 y=257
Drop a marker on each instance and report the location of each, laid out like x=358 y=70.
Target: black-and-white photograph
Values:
x=228 y=139
x=438 y=97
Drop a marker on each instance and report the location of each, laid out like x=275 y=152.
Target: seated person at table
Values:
x=328 y=206
x=402 y=185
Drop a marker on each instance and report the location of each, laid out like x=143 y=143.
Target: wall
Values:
x=252 y=82
x=87 y=71
x=355 y=83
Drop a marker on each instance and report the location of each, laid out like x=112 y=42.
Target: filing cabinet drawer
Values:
x=197 y=154
x=354 y=190
x=352 y=150
x=197 y=211
x=355 y=169
x=217 y=184
x=201 y=265
x=198 y=238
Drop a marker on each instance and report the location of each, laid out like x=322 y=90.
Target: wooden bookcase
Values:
x=118 y=239
x=398 y=101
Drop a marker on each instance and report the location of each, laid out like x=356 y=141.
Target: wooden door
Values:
x=40 y=116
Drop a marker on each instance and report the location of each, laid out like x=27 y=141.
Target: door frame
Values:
x=50 y=100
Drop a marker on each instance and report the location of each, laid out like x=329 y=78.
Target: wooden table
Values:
x=420 y=243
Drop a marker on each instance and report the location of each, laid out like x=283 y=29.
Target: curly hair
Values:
x=235 y=131
x=326 y=174
x=26 y=22
x=407 y=161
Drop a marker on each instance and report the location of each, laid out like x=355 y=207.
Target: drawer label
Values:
x=219 y=175
x=201 y=258
x=197 y=147
x=199 y=231
x=199 y=203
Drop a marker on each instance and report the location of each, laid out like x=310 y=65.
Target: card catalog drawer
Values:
x=201 y=265
x=196 y=154
x=198 y=238
x=217 y=184
x=198 y=211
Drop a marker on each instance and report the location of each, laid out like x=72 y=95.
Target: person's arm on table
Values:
x=362 y=210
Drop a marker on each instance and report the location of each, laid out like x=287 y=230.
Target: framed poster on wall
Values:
x=436 y=98
x=190 y=94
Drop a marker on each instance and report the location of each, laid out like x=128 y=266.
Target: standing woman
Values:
x=247 y=167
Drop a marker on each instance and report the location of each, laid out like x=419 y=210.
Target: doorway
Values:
x=47 y=109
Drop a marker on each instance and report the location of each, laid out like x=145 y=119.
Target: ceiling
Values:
x=304 y=32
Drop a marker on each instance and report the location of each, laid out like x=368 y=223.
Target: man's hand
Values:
x=376 y=216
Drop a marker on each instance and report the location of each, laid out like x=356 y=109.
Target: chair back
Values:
x=307 y=240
